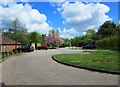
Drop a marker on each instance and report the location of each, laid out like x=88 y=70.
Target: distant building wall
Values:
x=7 y=44
x=9 y=48
x=33 y=44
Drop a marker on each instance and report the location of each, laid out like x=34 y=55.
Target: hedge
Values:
x=6 y=54
x=109 y=43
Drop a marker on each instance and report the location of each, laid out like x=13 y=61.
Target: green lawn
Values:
x=101 y=59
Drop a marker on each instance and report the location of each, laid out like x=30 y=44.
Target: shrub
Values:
x=4 y=54
x=108 y=43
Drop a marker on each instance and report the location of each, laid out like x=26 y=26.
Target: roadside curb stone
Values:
x=91 y=69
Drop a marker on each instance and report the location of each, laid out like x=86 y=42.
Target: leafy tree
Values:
x=108 y=24
x=90 y=33
x=53 y=38
x=35 y=37
x=67 y=42
x=17 y=31
x=76 y=41
x=106 y=30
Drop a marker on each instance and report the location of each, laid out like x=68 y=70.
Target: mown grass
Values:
x=101 y=59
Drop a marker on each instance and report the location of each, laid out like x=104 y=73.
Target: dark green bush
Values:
x=108 y=43
x=5 y=54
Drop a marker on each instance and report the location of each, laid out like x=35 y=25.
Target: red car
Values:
x=42 y=47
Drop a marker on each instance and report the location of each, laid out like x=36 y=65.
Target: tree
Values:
x=108 y=24
x=17 y=31
x=35 y=37
x=90 y=33
x=106 y=30
x=67 y=42
x=53 y=38
x=88 y=38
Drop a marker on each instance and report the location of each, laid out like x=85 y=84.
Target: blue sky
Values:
x=71 y=19
x=55 y=19
x=113 y=13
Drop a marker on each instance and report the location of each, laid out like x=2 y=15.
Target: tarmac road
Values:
x=38 y=68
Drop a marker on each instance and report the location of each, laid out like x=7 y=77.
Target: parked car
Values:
x=27 y=48
x=24 y=49
x=16 y=50
x=89 y=46
x=42 y=47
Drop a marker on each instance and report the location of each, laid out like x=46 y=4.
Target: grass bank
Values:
x=104 y=60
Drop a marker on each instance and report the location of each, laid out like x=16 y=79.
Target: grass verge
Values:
x=6 y=55
x=101 y=60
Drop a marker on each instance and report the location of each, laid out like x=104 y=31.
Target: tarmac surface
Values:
x=38 y=68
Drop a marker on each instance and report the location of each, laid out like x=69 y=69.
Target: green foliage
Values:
x=35 y=37
x=83 y=40
x=108 y=43
x=107 y=32
x=17 y=32
x=109 y=36
x=90 y=33
x=106 y=36
x=7 y=54
x=67 y=43
x=76 y=41
x=107 y=29
x=108 y=24
x=19 y=36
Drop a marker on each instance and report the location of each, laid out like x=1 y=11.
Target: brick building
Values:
x=7 y=44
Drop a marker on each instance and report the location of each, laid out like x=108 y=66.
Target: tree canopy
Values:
x=35 y=37
x=53 y=38
x=107 y=29
x=17 y=31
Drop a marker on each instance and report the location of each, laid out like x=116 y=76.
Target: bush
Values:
x=4 y=54
x=108 y=43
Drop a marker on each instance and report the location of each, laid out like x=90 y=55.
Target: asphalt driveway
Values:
x=38 y=68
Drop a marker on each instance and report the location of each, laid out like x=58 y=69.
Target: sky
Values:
x=70 y=18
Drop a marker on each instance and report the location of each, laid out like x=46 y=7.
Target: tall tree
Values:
x=107 y=29
x=35 y=37
x=17 y=31
x=90 y=33
x=53 y=38
x=108 y=24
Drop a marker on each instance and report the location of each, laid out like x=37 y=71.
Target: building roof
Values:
x=6 y=40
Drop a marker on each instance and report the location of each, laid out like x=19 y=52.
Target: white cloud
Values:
x=68 y=33
x=57 y=3
x=82 y=16
x=84 y=33
x=32 y=18
x=41 y=28
x=59 y=9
